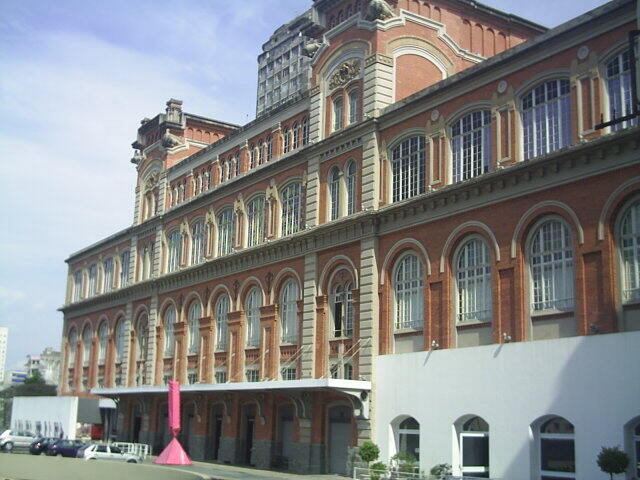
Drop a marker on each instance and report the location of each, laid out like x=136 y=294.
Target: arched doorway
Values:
x=339 y=438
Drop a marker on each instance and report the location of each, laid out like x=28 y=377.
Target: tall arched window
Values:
x=474 y=448
x=337 y=113
x=546 y=118
x=269 y=148
x=334 y=193
x=174 y=250
x=407 y=168
x=409 y=295
x=252 y=313
x=86 y=345
x=222 y=310
x=142 y=335
x=124 y=268
x=108 y=275
x=471 y=145
x=93 y=280
x=473 y=281
x=103 y=333
x=342 y=310
x=286 y=138
x=197 y=242
x=619 y=90
x=264 y=153
x=169 y=320
x=551 y=264
x=77 y=286
x=120 y=340
x=556 y=447
x=409 y=437
x=289 y=312
x=351 y=187
x=73 y=346
x=225 y=231
x=291 y=209
x=305 y=131
x=194 y=314
x=354 y=106
x=255 y=221
x=629 y=241
x=296 y=135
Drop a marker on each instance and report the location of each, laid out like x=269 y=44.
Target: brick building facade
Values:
x=440 y=188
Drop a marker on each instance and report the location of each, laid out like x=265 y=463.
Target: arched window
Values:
x=169 y=320
x=255 y=221
x=86 y=345
x=93 y=280
x=222 y=310
x=471 y=145
x=551 y=264
x=629 y=241
x=197 y=242
x=264 y=154
x=223 y=171
x=252 y=313
x=407 y=168
x=556 y=449
x=354 y=106
x=474 y=448
x=108 y=275
x=409 y=437
x=342 y=310
x=194 y=314
x=296 y=135
x=351 y=188
x=286 y=137
x=142 y=336
x=305 y=131
x=120 y=340
x=73 y=346
x=334 y=193
x=269 y=148
x=291 y=209
x=124 y=268
x=103 y=332
x=546 y=118
x=409 y=295
x=473 y=282
x=636 y=449
x=225 y=232
x=77 y=286
x=289 y=312
x=337 y=113
x=174 y=249
x=619 y=90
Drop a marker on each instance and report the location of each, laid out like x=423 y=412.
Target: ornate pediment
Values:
x=344 y=73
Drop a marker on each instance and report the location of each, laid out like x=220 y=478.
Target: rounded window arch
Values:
x=198 y=242
x=174 y=250
x=550 y=260
x=289 y=312
x=407 y=168
x=473 y=446
x=291 y=200
x=103 y=337
x=169 y=320
x=120 y=339
x=222 y=311
x=351 y=187
x=338 y=113
x=407 y=437
x=334 y=193
x=471 y=145
x=86 y=345
x=193 y=316
x=555 y=446
x=472 y=273
x=252 y=305
x=618 y=78
x=342 y=309
x=628 y=239
x=408 y=293
x=142 y=353
x=256 y=221
x=72 y=346
x=354 y=105
x=226 y=220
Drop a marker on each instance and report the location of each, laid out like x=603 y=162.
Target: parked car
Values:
x=66 y=448
x=15 y=438
x=103 y=451
x=41 y=444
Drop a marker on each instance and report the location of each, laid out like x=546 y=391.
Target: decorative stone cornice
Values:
x=378 y=58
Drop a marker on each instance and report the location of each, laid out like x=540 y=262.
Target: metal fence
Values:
x=369 y=474
x=139 y=449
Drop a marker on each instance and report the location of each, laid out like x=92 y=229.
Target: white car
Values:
x=13 y=438
x=102 y=451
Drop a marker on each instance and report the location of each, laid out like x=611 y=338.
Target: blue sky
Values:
x=77 y=77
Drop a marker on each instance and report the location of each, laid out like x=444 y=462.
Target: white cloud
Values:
x=9 y=296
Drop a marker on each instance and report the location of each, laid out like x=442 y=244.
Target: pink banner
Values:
x=174 y=407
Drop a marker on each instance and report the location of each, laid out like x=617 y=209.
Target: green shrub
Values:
x=441 y=469
x=613 y=460
x=377 y=469
x=369 y=452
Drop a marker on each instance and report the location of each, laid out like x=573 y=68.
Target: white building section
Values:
x=545 y=408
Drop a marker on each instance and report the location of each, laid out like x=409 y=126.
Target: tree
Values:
x=369 y=452
x=613 y=460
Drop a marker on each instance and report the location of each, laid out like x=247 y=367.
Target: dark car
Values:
x=66 y=448
x=40 y=445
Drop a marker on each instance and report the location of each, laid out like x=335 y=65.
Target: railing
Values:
x=139 y=449
x=369 y=474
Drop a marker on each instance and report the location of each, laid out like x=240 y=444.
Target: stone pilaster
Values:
x=308 y=316
x=312 y=199
x=315 y=115
x=370 y=171
x=151 y=342
x=378 y=84
x=156 y=261
x=126 y=347
x=369 y=306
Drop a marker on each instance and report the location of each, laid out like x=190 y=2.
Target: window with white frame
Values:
x=551 y=267
x=73 y=346
x=289 y=312
x=198 y=242
x=222 y=311
x=286 y=139
x=253 y=375
x=471 y=145
x=546 y=118
x=409 y=437
x=289 y=373
x=225 y=231
x=342 y=310
x=337 y=113
x=296 y=135
x=636 y=450
x=291 y=209
x=473 y=282
x=221 y=375
x=474 y=448
x=334 y=193
x=120 y=339
x=254 y=157
x=354 y=106
x=103 y=332
x=174 y=250
x=407 y=168
x=169 y=320
x=347 y=371
x=255 y=221
x=252 y=306
x=108 y=275
x=408 y=289
x=351 y=187
x=269 y=149
x=86 y=345
x=619 y=90
x=305 y=131
x=194 y=314
x=93 y=280
x=556 y=447
x=629 y=241
x=124 y=268
x=77 y=286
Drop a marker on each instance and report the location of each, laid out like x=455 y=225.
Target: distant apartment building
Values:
x=47 y=363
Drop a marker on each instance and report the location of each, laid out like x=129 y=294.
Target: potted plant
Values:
x=613 y=460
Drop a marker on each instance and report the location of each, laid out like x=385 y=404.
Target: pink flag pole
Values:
x=173 y=454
